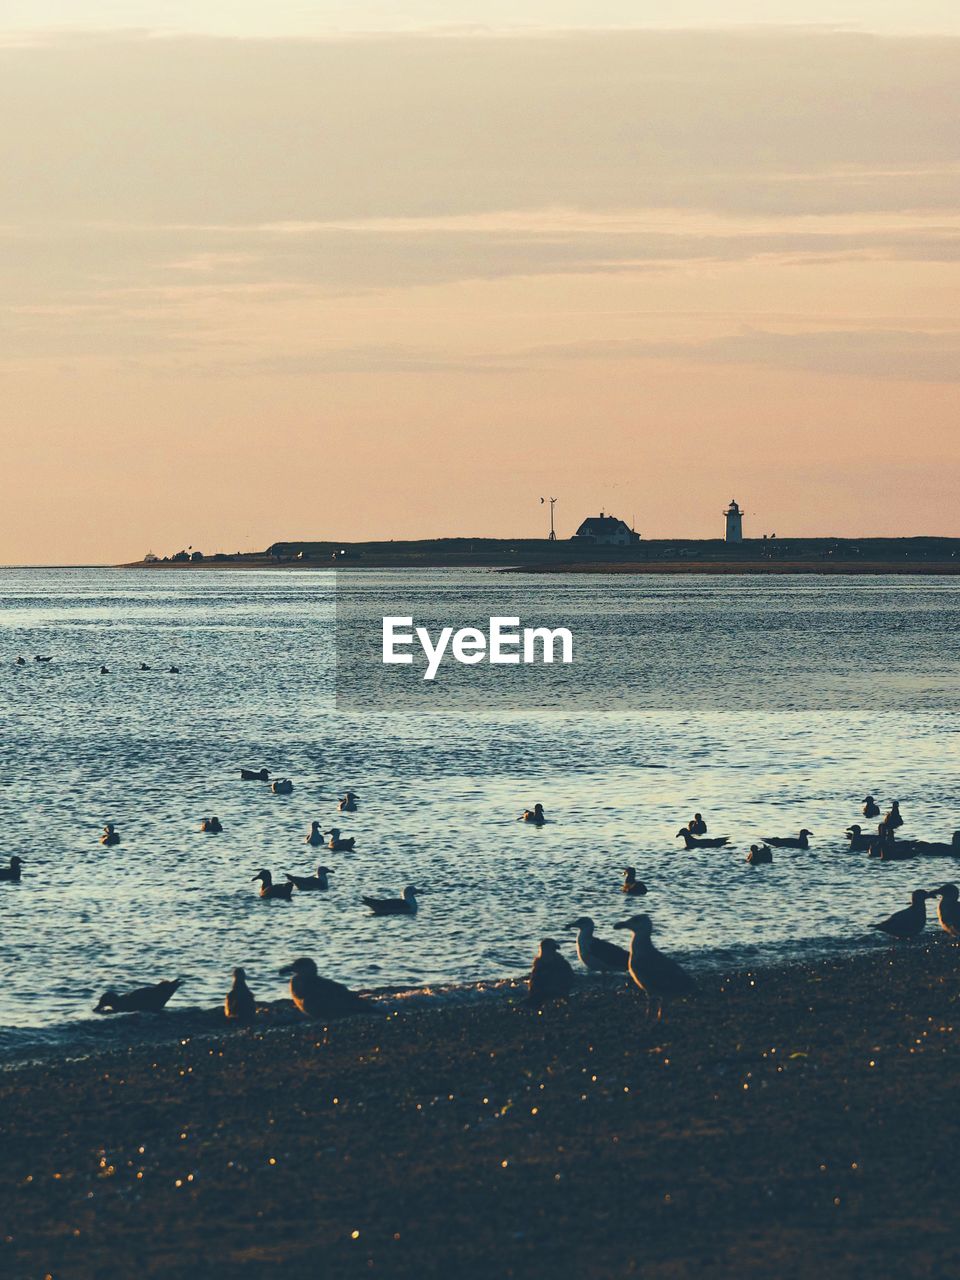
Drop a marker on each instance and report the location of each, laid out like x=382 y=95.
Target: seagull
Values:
x=144 y=667
x=893 y=819
x=213 y=825
x=594 y=952
x=654 y=973
x=759 y=855
x=239 y=1002
x=348 y=804
x=911 y=920
x=37 y=658
x=12 y=873
x=110 y=835
x=696 y=826
x=282 y=787
x=403 y=906
x=534 y=815
x=790 y=842
x=948 y=909
x=254 y=775
x=142 y=1000
x=631 y=884
x=104 y=671
x=859 y=839
x=551 y=976
x=711 y=842
x=315 y=836
x=870 y=807
x=21 y=662
x=270 y=890
x=338 y=843
x=319 y=997
x=932 y=848
x=304 y=883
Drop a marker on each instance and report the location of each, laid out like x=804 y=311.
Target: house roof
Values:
x=594 y=525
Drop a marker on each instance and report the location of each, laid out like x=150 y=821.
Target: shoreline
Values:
x=784 y=1120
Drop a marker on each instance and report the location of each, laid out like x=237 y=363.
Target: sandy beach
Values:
x=796 y=1121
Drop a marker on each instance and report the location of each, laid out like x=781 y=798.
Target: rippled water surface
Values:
x=155 y=752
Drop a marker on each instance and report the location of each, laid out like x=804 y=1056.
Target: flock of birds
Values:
x=656 y=975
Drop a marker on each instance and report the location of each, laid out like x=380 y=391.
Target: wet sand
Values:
x=793 y=1122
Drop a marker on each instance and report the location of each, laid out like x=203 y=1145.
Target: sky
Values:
x=370 y=270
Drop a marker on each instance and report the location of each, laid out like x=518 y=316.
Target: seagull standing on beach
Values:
x=909 y=922
x=402 y=906
x=142 y=1000
x=636 y=888
x=948 y=909
x=551 y=977
x=239 y=1002
x=318 y=997
x=270 y=890
x=12 y=873
x=655 y=974
x=594 y=952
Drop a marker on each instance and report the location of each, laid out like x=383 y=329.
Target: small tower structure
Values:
x=734 y=518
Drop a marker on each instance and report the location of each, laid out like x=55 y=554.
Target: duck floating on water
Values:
x=20 y=662
x=405 y=905
x=282 y=787
x=801 y=841
x=909 y=922
x=306 y=883
x=38 y=658
x=870 y=807
x=239 y=1003
x=142 y=1000
x=948 y=909
x=760 y=855
x=314 y=836
x=339 y=843
x=696 y=826
x=318 y=997
x=270 y=890
x=11 y=873
x=657 y=975
x=254 y=775
x=710 y=842
x=594 y=952
x=173 y=671
x=110 y=835
x=104 y=671
x=348 y=804
x=551 y=977
x=534 y=815
x=631 y=884
x=212 y=825
x=144 y=667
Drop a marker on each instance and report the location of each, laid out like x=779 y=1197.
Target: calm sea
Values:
x=819 y=691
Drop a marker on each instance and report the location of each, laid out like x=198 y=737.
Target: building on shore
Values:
x=734 y=526
x=605 y=531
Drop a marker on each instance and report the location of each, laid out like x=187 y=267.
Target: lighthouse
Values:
x=734 y=519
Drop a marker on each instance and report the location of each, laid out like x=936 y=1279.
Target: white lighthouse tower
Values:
x=734 y=518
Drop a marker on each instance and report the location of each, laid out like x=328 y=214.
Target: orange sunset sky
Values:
x=363 y=278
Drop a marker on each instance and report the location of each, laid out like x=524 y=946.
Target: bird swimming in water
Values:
x=870 y=807
x=948 y=909
x=932 y=848
x=631 y=884
x=104 y=671
x=711 y=842
x=37 y=658
x=110 y=835
x=173 y=671
x=254 y=775
x=551 y=977
x=760 y=855
x=239 y=1003
x=348 y=804
x=12 y=873
x=800 y=841
x=892 y=819
x=534 y=815
x=20 y=662
x=282 y=787
x=696 y=826
x=306 y=883
x=270 y=890
x=338 y=843
x=142 y=1000
x=314 y=836
x=406 y=905
x=859 y=839
x=594 y=952
x=144 y=667
x=910 y=921
x=212 y=825
x=655 y=974
x=318 y=997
